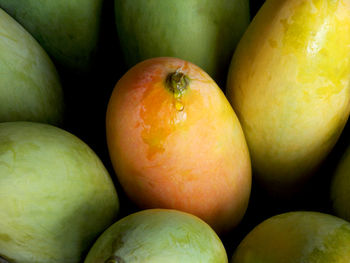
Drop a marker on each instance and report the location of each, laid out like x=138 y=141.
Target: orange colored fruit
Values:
x=175 y=142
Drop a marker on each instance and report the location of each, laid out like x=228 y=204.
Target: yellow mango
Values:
x=289 y=85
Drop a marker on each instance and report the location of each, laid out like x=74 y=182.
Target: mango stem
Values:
x=177 y=83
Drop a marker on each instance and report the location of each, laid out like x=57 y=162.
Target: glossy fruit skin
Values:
x=56 y=195
x=289 y=85
x=340 y=186
x=30 y=88
x=67 y=30
x=158 y=235
x=296 y=237
x=187 y=153
x=203 y=32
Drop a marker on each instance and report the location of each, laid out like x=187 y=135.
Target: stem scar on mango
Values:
x=177 y=82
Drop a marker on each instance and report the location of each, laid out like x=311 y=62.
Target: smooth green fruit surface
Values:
x=158 y=235
x=296 y=237
x=67 y=30
x=289 y=83
x=340 y=187
x=30 y=89
x=56 y=197
x=204 y=32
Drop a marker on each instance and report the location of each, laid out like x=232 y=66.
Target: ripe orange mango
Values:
x=175 y=142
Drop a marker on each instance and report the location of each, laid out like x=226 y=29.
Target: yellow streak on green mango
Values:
x=56 y=196
x=30 y=88
x=158 y=236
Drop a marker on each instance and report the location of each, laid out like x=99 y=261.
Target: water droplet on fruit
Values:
x=179 y=106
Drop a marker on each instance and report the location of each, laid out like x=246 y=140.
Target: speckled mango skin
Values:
x=30 y=89
x=158 y=236
x=56 y=197
x=204 y=32
x=296 y=237
x=194 y=159
x=67 y=30
x=340 y=185
x=289 y=85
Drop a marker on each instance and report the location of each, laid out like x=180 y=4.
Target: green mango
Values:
x=67 y=30
x=289 y=83
x=296 y=237
x=30 y=88
x=56 y=197
x=158 y=236
x=204 y=32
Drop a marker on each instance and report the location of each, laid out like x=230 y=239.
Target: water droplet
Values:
x=179 y=106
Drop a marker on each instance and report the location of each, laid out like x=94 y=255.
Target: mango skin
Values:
x=30 y=88
x=56 y=195
x=340 y=186
x=67 y=30
x=204 y=32
x=193 y=158
x=158 y=235
x=289 y=85
x=296 y=237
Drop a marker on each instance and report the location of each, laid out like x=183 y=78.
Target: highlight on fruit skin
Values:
x=301 y=236
x=175 y=142
x=158 y=236
x=289 y=83
x=56 y=195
